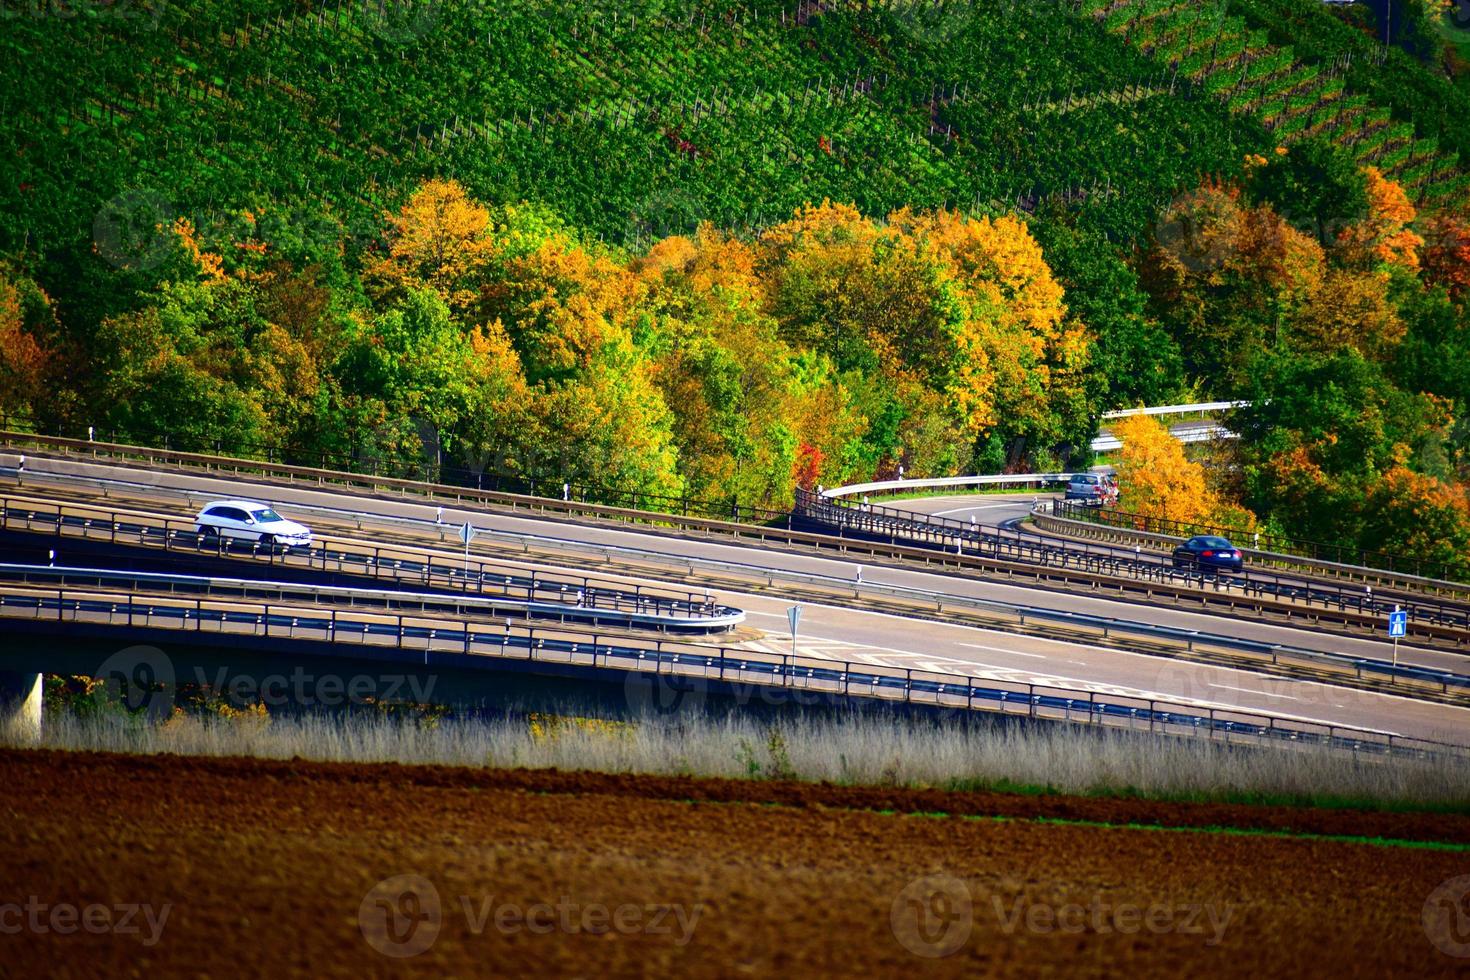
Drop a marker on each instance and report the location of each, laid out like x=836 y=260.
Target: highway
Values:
x=983 y=508
x=840 y=633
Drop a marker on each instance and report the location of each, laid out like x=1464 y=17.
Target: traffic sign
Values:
x=467 y=534
x=1398 y=623
x=793 y=616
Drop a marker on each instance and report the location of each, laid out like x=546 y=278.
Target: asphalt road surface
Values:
x=879 y=638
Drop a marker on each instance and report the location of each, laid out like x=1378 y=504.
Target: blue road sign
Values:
x=1398 y=623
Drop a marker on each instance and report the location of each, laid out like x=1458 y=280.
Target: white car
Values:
x=251 y=521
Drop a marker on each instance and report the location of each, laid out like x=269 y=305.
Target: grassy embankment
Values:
x=853 y=752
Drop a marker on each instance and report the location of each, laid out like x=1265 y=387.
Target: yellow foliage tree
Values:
x=563 y=304
x=439 y=239
x=1154 y=477
x=1014 y=329
x=1350 y=308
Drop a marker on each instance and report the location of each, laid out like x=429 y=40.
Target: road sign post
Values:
x=1398 y=625
x=793 y=616
x=467 y=534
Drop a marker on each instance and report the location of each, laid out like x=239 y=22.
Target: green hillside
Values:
x=637 y=118
x=628 y=118
x=466 y=233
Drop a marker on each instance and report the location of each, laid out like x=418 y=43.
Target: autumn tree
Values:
x=1134 y=359
x=439 y=240
x=609 y=426
x=1417 y=516
x=1445 y=257
x=1349 y=309
x=1226 y=276
x=1384 y=236
x=1154 y=476
x=28 y=327
x=561 y=302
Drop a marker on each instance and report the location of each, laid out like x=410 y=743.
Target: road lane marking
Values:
x=1246 y=690
x=1014 y=653
x=961 y=510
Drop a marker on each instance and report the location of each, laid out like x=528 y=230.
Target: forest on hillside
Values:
x=707 y=252
x=832 y=347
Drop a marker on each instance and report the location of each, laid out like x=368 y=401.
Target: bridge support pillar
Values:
x=20 y=707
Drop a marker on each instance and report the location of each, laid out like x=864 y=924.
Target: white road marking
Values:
x=1013 y=653
x=1246 y=690
x=961 y=510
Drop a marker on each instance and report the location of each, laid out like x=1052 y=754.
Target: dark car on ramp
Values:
x=1208 y=552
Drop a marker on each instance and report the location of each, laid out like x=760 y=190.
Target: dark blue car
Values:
x=1208 y=552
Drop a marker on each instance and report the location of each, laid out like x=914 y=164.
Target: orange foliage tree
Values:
x=439 y=240
x=1445 y=258
x=1418 y=516
x=23 y=360
x=1384 y=235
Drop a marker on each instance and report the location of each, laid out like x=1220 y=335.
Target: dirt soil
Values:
x=292 y=867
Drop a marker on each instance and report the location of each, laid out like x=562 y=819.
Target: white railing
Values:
x=1197 y=433
x=997 y=479
x=1200 y=407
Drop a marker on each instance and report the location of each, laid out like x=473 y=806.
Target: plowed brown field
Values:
x=275 y=867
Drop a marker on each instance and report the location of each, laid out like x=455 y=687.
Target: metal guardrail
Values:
x=1362 y=668
x=1041 y=568
x=742 y=518
x=989 y=480
x=1200 y=407
x=812 y=676
x=996 y=543
x=372 y=467
x=1195 y=433
x=485 y=578
x=1072 y=520
x=578 y=607
x=1314 y=551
